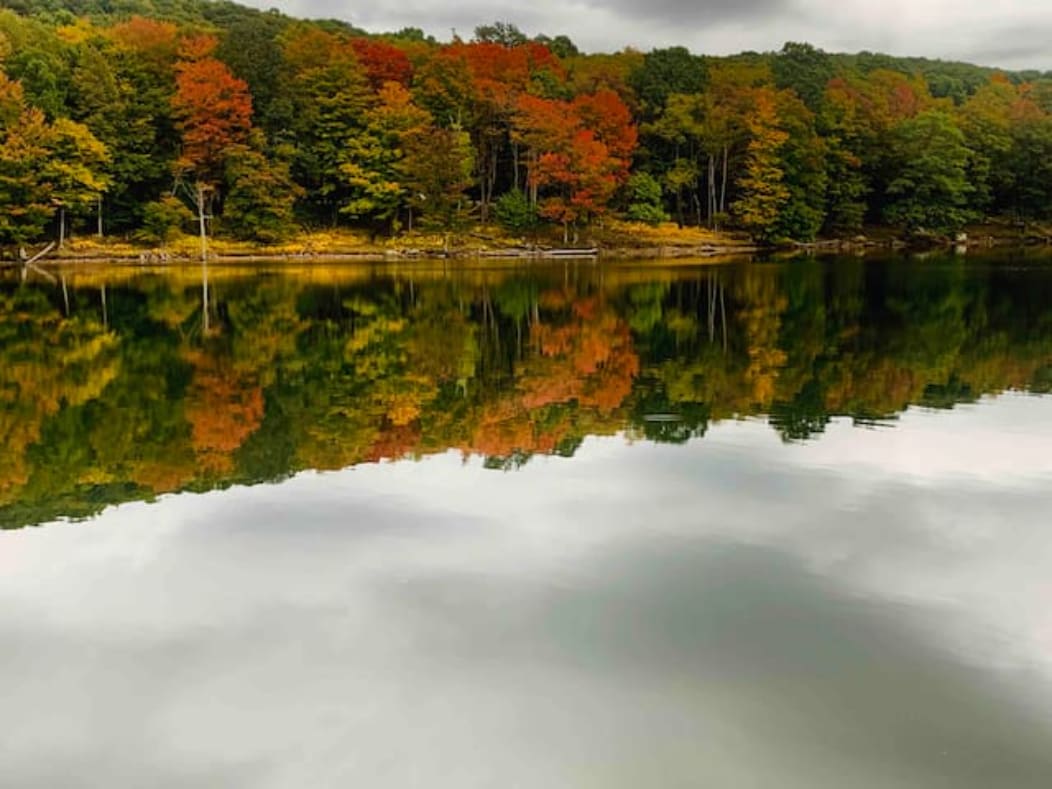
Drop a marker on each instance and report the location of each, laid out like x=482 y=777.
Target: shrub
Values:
x=514 y=212
x=645 y=205
x=164 y=219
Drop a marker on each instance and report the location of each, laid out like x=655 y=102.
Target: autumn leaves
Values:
x=266 y=125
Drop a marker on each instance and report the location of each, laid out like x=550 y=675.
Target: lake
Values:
x=738 y=524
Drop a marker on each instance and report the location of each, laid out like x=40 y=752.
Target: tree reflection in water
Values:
x=141 y=391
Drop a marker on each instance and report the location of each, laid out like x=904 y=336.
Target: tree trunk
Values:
x=100 y=216
x=492 y=177
x=201 y=222
x=723 y=186
x=515 y=163
x=61 y=227
x=531 y=175
x=710 y=191
x=487 y=181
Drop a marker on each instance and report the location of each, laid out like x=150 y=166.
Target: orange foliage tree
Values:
x=479 y=86
x=382 y=62
x=213 y=111
x=578 y=153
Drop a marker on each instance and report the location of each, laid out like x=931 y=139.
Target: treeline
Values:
x=131 y=384
x=142 y=117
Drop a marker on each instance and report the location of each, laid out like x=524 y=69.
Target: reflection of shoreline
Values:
x=661 y=255
x=353 y=269
x=118 y=384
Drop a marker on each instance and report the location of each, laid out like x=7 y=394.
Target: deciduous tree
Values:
x=763 y=190
x=930 y=187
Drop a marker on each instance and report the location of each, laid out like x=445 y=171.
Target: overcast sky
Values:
x=1009 y=33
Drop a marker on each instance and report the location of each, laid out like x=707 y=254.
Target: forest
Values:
x=129 y=384
x=146 y=119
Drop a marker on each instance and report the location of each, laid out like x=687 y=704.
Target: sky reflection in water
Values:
x=736 y=610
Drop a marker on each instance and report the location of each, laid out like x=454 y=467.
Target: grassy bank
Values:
x=615 y=239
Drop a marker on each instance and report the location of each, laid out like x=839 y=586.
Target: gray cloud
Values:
x=1012 y=34
x=677 y=13
x=1014 y=46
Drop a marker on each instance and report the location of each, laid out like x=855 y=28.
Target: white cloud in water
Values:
x=736 y=608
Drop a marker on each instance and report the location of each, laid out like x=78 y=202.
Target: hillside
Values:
x=138 y=117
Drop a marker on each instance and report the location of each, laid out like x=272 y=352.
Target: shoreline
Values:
x=226 y=253
x=265 y=255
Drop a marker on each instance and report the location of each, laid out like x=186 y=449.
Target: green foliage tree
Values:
x=74 y=169
x=329 y=110
x=803 y=159
x=251 y=48
x=260 y=194
x=504 y=33
x=930 y=188
x=513 y=211
x=374 y=166
x=37 y=59
x=1031 y=166
x=848 y=143
x=986 y=121
x=437 y=170
x=805 y=70
x=121 y=88
x=645 y=199
x=25 y=198
x=664 y=72
x=561 y=45
x=681 y=126
x=163 y=219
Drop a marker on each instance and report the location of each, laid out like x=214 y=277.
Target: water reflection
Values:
x=831 y=588
x=124 y=384
x=732 y=612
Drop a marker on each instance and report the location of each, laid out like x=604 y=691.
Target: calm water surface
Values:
x=748 y=525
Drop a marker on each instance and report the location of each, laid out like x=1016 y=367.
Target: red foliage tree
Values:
x=214 y=111
x=582 y=177
x=579 y=152
x=382 y=62
x=609 y=117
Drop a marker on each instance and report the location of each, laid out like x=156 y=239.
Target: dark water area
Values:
x=749 y=524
